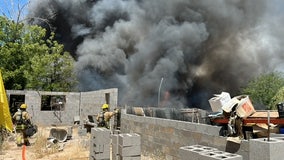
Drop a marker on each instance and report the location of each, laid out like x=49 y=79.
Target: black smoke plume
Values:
x=186 y=49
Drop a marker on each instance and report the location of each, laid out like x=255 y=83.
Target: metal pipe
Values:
x=268 y=124
x=159 y=93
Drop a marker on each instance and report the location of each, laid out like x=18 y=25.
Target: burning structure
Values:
x=198 y=47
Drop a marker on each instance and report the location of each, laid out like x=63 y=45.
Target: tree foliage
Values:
x=54 y=71
x=278 y=97
x=30 y=61
x=263 y=88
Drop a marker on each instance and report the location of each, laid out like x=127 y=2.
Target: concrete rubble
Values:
x=57 y=137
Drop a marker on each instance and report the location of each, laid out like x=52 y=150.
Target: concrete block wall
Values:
x=164 y=137
x=77 y=104
x=91 y=102
x=33 y=100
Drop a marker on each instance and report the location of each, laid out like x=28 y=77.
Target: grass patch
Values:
x=39 y=146
x=4 y=134
x=71 y=149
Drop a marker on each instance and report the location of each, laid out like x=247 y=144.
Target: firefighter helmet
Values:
x=105 y=106
x=23 y=106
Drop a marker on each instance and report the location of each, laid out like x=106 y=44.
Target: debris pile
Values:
x=237 y=110
x=57 y=137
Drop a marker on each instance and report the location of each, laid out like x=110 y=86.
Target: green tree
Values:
x=22 y=50
x=17 y=45
x=278 y=97
x=51 y=72
x=263 y=88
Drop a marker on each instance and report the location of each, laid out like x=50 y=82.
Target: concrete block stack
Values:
x=262 y=149
x=200 y=152
x=128 y=147
x=100 y=144
x=114 y=146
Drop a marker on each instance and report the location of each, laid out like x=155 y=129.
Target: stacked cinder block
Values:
x=128 y=148
x=200 y=152
x=100 y=144
x=262 y=149
x=114 y=146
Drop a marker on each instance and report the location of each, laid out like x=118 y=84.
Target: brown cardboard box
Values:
x=245 y=107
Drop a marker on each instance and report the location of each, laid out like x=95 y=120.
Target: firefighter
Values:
x=22 y=120
x=103 y=118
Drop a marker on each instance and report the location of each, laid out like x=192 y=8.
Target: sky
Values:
x=10 y=8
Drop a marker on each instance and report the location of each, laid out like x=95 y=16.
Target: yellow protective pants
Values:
x=21 y=138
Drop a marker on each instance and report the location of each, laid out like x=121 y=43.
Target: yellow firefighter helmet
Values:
x=105 y=106
x=23 y=106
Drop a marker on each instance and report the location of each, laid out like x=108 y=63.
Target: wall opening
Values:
x=53 y=102
x=15 y=102
x=107 y=98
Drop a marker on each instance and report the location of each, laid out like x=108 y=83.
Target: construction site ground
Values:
x=76 y=148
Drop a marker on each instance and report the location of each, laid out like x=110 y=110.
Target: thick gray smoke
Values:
x=187 y=50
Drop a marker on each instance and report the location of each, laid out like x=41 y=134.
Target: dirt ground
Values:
x=76 y=148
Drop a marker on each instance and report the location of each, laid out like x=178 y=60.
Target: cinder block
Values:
x=101 y=140
x=130 y=157
x=200 y=152
x=190 y=151
x=100 y=133
x=219 y=155
x=129 y=150
x=100 y=144
x=97 y=158
x=115 y=157
x=261 y=149
x=101 y=148
x=207 y=156
x=116 y=132
x=76 y=120
x=102 y=156
x=129 y=139
x=106 y=153
x=95 y=146
x=114 y=144
x=203 y=147
x=233 y=156
x=100 y=136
